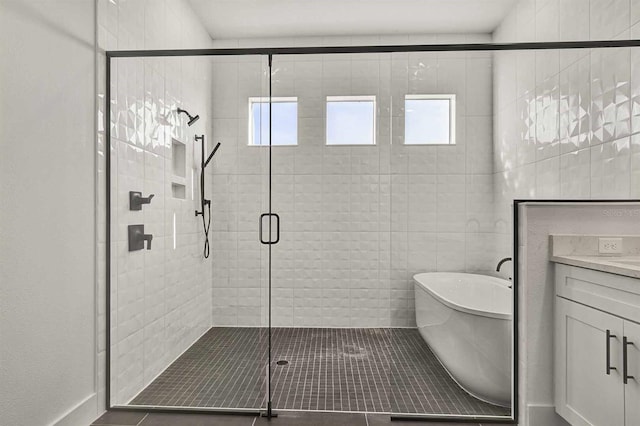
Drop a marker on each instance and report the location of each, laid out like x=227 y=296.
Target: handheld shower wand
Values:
x=206 y=222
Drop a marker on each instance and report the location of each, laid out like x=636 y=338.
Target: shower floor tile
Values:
x=350 y=369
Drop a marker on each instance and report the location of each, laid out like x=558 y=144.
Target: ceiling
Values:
x=288 y=18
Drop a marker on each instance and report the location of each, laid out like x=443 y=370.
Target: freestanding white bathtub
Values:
x=466 y=320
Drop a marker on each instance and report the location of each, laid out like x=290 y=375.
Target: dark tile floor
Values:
x=356 y=370
x=119 y=418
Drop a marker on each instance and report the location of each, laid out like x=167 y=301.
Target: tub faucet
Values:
x=506 y=259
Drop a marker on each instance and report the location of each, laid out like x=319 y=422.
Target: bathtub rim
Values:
x=461 y=308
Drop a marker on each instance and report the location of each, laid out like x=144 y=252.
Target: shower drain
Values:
x=282 y=362
x=354 y=351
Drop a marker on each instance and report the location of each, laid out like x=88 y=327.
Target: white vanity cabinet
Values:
x=597 y=345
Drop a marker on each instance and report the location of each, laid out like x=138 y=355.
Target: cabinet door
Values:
x=632 y=388
x=585 y=393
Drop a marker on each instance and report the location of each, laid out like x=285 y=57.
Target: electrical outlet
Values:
x=610 y=245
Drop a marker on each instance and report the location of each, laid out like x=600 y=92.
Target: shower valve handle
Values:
x=137 y=237
x=147 y=238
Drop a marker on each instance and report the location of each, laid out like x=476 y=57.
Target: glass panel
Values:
x=441 y=222
x=188 y=318
x=330 y=269
x=241 y=263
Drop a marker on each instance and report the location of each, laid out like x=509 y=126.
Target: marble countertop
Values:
x=582 y=251
x=621 y=265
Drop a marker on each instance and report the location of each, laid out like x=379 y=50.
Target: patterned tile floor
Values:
x=353 y=369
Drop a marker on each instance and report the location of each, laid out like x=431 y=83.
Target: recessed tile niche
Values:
x=178 y=169
x=178 y=154
x=178 y=190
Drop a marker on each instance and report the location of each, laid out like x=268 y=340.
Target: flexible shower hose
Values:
x=206 y=223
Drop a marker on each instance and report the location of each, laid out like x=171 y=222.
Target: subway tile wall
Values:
x=356 y=221
x=160 y=299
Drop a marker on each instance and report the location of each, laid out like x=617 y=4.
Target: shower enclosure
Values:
x=328 y=193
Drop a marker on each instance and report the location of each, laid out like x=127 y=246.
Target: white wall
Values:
x=47 y=243
x=356 y=222
x=161 y=299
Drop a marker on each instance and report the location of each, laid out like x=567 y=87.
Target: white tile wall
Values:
x=357 y=222
x=160 y=298
x=575 y=110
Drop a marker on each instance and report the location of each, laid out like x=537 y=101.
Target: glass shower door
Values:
x=329 y=298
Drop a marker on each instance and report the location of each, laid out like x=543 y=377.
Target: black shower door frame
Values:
x=270 y=53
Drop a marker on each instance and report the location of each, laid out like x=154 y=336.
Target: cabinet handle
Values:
x=609 y=367
x=625 y=344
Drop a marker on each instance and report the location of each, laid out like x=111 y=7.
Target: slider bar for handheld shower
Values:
x=206 y=223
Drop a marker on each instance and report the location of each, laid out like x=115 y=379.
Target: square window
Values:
x=284 y=126
x=429 y=119
x=351 y=120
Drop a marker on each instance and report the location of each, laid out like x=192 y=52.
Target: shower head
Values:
x=192 y=118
